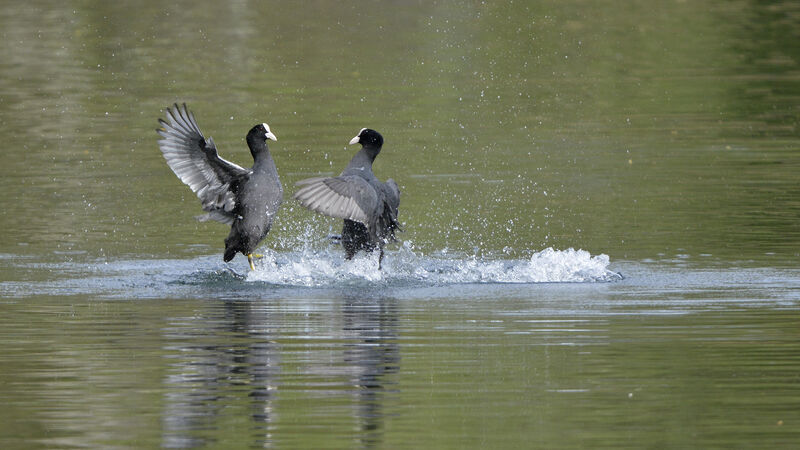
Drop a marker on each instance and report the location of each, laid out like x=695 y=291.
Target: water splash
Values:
x=322 y=268
x=293 y=273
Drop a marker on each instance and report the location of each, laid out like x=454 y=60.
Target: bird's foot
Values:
x=250 y=260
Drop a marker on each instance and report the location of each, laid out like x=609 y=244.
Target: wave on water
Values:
x=323 y=268
x=293 y=273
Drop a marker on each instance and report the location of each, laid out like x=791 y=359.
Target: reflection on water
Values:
x=206 y=374
x=229 y=363
x=511 y=365
x=374 y=356
x=235 y=352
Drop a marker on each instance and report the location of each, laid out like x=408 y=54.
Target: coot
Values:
x=368 y=206
x=245 y=199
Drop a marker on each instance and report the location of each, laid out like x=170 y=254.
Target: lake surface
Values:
x=601 y=212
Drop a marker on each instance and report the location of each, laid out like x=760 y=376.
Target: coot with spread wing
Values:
x=245 y=199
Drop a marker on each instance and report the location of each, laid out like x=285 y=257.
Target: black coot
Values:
x=368 y=206
x=245 y=199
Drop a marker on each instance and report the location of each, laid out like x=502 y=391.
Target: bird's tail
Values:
x=229 y=254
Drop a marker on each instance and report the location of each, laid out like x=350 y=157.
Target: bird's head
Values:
x=257 y=138
x=261 y=132
x=368 y=138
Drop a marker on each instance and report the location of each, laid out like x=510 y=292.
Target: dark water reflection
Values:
x=206 y=375
x=349 y=366
x=669 y=357
x=375 y=358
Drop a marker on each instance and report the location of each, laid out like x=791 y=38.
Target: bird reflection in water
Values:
x=215 y=359
x=372 y=354
x=223 y=358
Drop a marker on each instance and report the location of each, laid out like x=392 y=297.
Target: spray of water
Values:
x=309 y=267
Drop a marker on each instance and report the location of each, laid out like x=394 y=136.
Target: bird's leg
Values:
x=250 y=260
x=380 y=259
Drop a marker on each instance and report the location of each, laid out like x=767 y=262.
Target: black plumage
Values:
x=245 y=199
x=368 y=206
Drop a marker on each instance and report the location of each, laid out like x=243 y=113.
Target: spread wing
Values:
x=345 y=197
x=195 y=160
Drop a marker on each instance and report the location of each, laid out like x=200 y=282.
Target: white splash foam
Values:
x=320 y=268
x=314 y=269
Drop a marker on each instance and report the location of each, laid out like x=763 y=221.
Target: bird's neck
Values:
x=365 y=157
x=261 y=155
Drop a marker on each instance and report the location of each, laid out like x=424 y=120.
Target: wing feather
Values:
x=345 y=197
x=195 y=161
